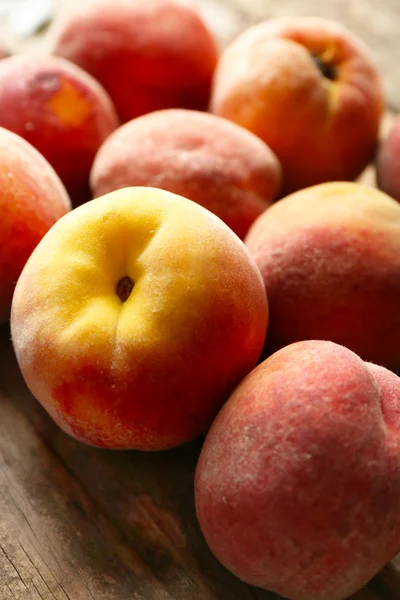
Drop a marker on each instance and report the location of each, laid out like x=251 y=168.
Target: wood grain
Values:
x=78 y=523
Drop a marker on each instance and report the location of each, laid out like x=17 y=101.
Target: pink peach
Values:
x=298 y=482
x=330 y=259
x=200 y=156
x=60 y=110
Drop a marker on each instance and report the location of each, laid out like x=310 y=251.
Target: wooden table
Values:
x=78 y=523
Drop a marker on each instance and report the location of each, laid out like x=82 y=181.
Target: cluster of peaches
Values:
x=228 y=277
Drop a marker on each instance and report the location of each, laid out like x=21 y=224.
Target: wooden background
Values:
x=77 y=523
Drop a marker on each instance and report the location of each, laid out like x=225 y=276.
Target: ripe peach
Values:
x=298 y=482
x=200 y=156
x=148 y=55
x=135 y=317
x=330 y=259
x=309 y=89
x=32 y=198
x=388 y=162
x=59 y=109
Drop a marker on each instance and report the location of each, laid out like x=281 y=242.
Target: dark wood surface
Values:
x=78 y=523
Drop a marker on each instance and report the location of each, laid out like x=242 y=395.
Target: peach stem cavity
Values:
x=124 y=288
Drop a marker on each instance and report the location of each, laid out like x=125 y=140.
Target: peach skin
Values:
x=310 y=89
x=330 y=259
x=207 y=159
x=388 y=162
x=59 y=109
x=32 y=198
x=148 y=55
x=135 y=317
x=298 y=482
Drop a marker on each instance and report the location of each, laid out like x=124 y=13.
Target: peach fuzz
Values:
x=388 y=162
x=310 y=89
x=200 y=156
x=298 y=482
x=59 y=109
x=32 y=198
x=330 y=259
x=148 y=55
x=135 y=317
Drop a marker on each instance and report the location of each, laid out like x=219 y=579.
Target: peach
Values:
x=200 y=156
x=330 y=259
x=298 y=481
x=32 y=198
x=59 y=109
x=148 y=55
x=388 y=162
x=309 y=88
x=135 y=317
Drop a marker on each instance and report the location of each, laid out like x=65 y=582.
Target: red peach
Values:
x=388 y=162
x=59 y=109
x=298 y=482
x=32 y=198
x=148 y=55
x=207 y=159
x=330 y=259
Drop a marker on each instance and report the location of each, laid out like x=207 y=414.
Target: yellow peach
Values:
x=135 y=317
